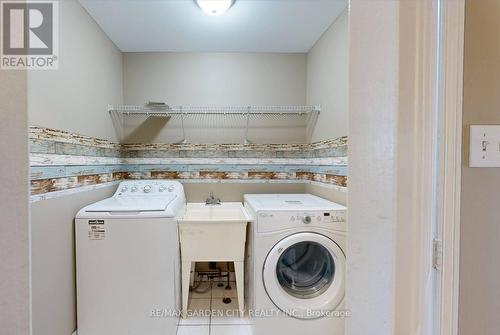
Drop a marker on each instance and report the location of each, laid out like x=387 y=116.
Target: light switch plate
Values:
x=484 y=146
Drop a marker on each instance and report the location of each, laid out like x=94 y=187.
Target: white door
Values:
x=304 y=275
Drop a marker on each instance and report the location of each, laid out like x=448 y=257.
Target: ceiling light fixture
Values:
x=214 y=7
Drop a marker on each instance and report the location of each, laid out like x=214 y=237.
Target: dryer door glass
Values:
x=305 y=270
x=305 y=273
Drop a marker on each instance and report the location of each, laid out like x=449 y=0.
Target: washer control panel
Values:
x=327 y=217
x=273 y=221
x=148 y=187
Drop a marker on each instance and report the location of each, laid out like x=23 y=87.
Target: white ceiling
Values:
x=248 y=26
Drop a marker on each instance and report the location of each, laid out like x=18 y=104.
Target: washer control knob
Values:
x=124 y=189
x=161 y=188
x=306 y=219
x=171 y=188
x=147 y=189
x=134 y=189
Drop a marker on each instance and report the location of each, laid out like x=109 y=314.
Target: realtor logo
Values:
x=29 y=33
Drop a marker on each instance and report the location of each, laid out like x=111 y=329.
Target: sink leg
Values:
x=239 y=269
x=192 y=273
x=186 y=274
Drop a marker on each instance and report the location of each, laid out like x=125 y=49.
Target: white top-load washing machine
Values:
x=127 y=260
x=296 y=264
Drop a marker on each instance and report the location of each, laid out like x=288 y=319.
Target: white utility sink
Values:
x=213 y=233
x=197 y=212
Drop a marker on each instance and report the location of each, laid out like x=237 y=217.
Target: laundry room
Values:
x=222 y=125
x=249 y=167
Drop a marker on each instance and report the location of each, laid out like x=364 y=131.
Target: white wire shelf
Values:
x=189 y=119
x=212 y=110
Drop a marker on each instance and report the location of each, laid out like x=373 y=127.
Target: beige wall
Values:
x=214 y=79
x=327 y=85
x=75 y=97
x=53 y=261
x=327 y=80
x=218 y=79
x=14 y=204
x=235 y=192
x=327 y=193
x=479 y=302
x=318 y=78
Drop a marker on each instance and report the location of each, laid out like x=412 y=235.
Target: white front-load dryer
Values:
x=296 y=264
x=127 y=260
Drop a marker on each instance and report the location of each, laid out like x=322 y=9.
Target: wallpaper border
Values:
x=64 y=163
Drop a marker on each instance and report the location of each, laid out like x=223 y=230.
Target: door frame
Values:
x=435 y=53
x=405 y=110
x=435 y=151
x=451 y=93
x=431 y=69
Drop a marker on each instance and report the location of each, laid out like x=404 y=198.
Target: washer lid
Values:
x=132 y=204
x=290 y=202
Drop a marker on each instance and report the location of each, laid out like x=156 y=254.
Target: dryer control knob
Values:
x=134 y=189
x=147 y=188
x=306 y=219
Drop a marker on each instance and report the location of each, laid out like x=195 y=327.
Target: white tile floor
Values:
x=209 y=315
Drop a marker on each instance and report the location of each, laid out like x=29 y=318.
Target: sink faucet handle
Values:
x=212 y=200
